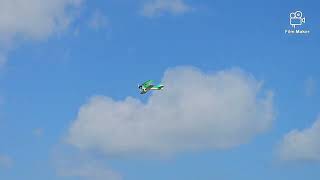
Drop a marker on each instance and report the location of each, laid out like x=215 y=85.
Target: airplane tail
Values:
x=158 y=87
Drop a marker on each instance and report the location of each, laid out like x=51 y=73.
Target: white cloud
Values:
x=5 y=162
x=310 y=86
x=195 y=111
x=98 y=20
x=302 y=145
x=73 y=164
x=158 y=7
x=33 y=19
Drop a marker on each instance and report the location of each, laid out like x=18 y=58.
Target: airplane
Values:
x=148 y=85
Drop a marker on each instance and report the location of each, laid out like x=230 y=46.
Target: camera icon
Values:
x=296 y=19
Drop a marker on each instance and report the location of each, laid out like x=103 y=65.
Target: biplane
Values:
x=148 y=85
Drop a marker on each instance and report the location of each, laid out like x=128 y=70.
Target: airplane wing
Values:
x=147 y=83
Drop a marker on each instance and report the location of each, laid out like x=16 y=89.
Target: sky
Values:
x=241 y=96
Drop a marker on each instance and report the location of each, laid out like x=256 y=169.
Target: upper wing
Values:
x=147 y=84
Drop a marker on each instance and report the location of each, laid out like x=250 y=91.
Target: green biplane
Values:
x=146 y=86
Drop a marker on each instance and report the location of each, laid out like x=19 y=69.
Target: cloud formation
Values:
x=33 y=20
x=302 y=145
x=195 y=111
x=158 y=7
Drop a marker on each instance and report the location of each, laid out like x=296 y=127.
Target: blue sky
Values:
x=107 y=48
